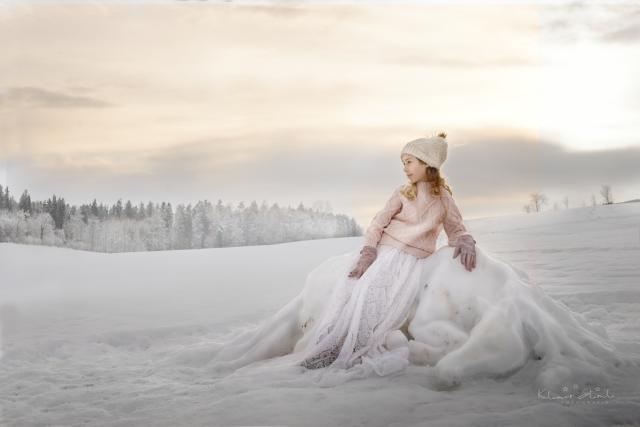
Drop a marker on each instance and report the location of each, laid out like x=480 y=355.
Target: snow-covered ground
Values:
x=86 y=337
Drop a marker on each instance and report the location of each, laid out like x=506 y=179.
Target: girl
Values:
x=399 y=300
x=405 y=232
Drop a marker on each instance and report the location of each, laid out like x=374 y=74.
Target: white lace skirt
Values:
x=351 y=333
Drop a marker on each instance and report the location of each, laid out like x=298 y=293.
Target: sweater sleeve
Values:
x=374 y=232
x=453 y=224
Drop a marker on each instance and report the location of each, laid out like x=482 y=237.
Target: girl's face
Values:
x=414 y=168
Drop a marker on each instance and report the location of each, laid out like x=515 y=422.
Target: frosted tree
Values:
x=6 y=200
x=20 y=225
x=202 y=225
x=538 y=200
x=57 y=209
x=356 y=230
x=132 y=238
x=292 y=226
x=166 y=211
x=116 y=210
x=6 y=225
x=232 y=228
x=223 y=216
x=275 y=219
x=249 y=224
x=149 y=210
x=13 y=226
x=74 y=231
x=94 y=209
x=182 y=234
x=94 y=235
x=605 y=193
x=85 y=213
x=25 y=202
x=154 y=233
x=114 y=236
x=262 y=224
x=9 y=200
x=189 y=225
x=128 y=210
x=44 y=226
x=141 y=214
x=40 y=228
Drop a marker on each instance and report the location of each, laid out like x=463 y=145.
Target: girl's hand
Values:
x=467 y=247
x=368 y=254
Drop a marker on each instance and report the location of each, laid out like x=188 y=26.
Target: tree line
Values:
x=124 y=227
x=538 y=200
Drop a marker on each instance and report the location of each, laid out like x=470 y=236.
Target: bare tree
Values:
x=565 y=202
x=605 y=192
x=527 y=208
x=593 y=200
x=537 y=201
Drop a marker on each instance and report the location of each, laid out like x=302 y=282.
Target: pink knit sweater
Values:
x=414 y=225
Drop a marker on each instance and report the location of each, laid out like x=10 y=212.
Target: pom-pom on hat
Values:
x=431 y=150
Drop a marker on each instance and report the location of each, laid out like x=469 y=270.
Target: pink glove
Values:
x=368 y=254
x=467 y=247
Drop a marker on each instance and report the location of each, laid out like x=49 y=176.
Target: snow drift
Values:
x=488 y=322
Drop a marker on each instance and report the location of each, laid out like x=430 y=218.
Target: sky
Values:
x=289 y=102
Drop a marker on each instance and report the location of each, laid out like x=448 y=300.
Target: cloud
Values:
x=488 y=175
x=290 y=160
x=492 y=167
x=619 y=23
x=34 y=97
x=628 y=34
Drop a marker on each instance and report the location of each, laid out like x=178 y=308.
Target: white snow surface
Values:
x=137 y=338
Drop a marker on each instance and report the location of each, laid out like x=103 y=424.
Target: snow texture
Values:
x=197 y=338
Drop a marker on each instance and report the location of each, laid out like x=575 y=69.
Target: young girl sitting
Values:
x=405 y=233
x=398 y=301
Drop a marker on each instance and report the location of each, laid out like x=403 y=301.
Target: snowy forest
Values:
x=153 y=227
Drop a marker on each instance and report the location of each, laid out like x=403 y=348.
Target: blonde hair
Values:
x=410 y=191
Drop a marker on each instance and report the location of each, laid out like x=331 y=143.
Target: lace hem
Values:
x=359 y=316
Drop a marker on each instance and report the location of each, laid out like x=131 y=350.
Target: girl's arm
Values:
x=453 y=224
x=382 y=219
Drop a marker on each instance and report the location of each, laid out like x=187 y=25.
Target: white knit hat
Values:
x=432 y=150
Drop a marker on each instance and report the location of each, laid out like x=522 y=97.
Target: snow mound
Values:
x=492 y=321
x=488 y=322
